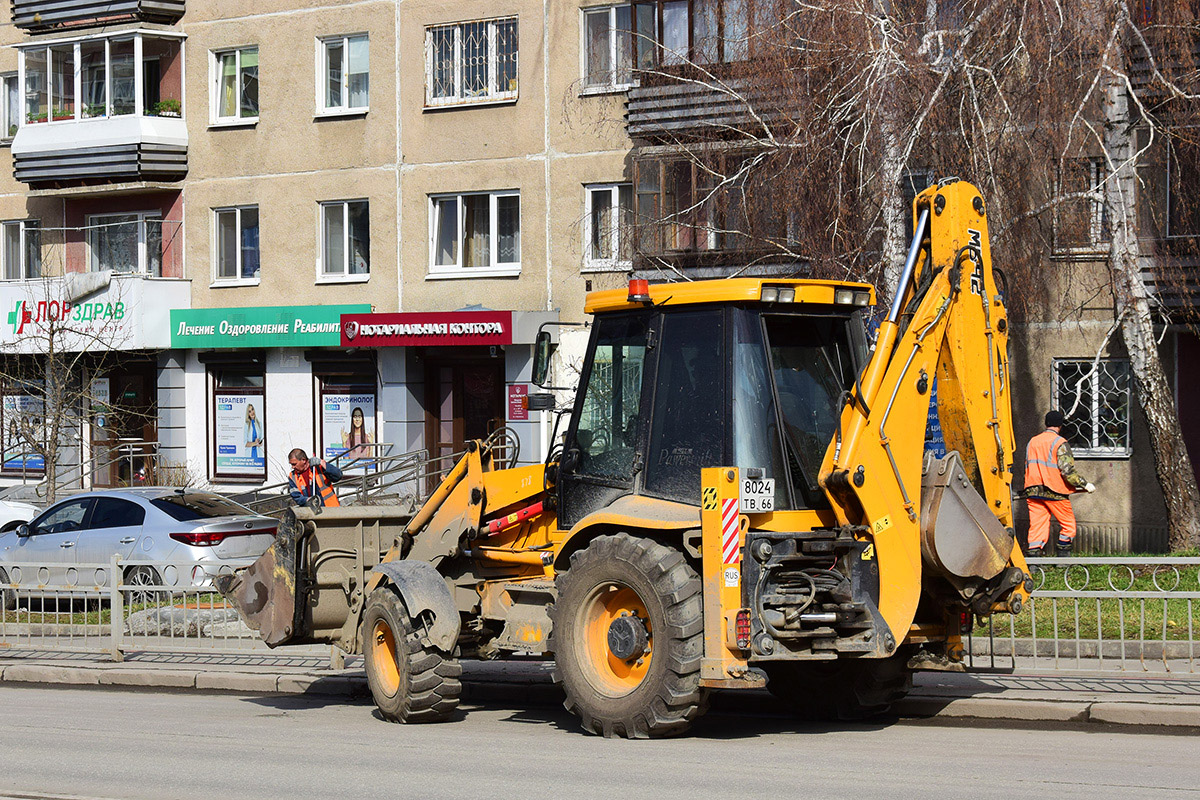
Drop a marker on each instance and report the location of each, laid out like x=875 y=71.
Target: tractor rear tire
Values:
x=410 y=681
x=628 y=637
x=844 y=690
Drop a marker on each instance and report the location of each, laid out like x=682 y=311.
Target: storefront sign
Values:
x=266 y=326
x=348 y=426
x=449 y=328
x=240 y=427
x=517 y=411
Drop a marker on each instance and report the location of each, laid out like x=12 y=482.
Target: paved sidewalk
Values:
x=1111 y=698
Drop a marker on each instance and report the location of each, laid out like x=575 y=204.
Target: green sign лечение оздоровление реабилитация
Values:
x=260 y=326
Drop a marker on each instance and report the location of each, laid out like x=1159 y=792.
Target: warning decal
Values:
x=729 y=530
x=710 y=499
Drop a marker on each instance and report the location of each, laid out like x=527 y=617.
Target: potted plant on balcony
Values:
x=167 y=108
x=94 y=110
x=36 y=116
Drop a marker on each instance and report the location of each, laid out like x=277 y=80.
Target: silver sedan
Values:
x=182 y=538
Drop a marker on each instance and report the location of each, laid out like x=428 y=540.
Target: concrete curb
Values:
x=538 y=690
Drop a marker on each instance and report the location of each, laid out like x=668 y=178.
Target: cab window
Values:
x=607 y=430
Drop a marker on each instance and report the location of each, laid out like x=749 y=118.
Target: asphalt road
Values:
x=97 y=743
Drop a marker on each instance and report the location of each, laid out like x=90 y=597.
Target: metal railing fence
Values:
x=1103 y=613
x=151 y=607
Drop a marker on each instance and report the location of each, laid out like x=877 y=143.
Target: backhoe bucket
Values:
x=265 y=592
x=960 y=536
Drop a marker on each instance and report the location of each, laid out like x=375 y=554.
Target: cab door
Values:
x=603 y=452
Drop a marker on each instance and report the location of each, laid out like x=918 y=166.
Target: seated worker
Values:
x=309 y=481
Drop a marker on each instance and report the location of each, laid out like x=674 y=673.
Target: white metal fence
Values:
x=1134 y=614
x=1112 y=613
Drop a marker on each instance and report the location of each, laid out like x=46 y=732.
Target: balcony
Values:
x=101 y=110
x=689 y=110
x=43 y=15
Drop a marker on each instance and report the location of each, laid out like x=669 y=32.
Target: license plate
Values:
x=757 y=495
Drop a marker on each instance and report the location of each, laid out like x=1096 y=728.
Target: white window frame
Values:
x=494 y=95
x=139 y=62
x=1097 y=240
x=615 y=264
x=505 y=270
x=237 y=280
x=24 y=225
x=8 y=125
x=93 y=222
x=323 y=75
x=345 y=275
x=214 y=106
x=1095 y=450
x=604 y=88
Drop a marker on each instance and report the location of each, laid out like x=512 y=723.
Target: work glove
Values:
x=1091 y=487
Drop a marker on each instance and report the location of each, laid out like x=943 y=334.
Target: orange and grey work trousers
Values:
x=1039 y=521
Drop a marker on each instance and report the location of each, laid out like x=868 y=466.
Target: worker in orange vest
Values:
x=1050 y=480
x=309 y=481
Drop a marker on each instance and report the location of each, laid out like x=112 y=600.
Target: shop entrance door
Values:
x=464 y=400
x=125 y=429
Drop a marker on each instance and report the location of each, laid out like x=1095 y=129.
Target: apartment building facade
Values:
x=241 y=179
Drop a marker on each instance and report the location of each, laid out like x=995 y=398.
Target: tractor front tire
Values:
x=844 y=690
x=410 y=681
x=628 y=637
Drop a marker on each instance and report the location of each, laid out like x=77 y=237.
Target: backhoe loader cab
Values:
x=741 y=499
x=745 y=373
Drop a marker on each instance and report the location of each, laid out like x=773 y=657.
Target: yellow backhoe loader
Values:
x=741 y=499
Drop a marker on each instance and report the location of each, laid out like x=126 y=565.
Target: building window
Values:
x=343 y=83
x=476 y=234
x=608 y=232
x=471 y=62
x=235 y=85
x=345 y=239
x=1082 y=223
x=237 y=243
x=1096 y=403
x=607 y=48
x=238 y=422
x=129 y=243
x=22 y=249
x=12 y=106
x=674 y=32
x=98 y=78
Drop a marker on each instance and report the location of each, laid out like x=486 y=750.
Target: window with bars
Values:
x=1095 y=397
x=471 y=62
x=1082 y=223
x=475 y=234
x=343 y=83
x=608 y=231
x=235 y=85
x=237 y=244
x=607 y=48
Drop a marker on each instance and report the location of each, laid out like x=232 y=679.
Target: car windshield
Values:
x=199 y=505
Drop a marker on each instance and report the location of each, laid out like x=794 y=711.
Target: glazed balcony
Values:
x=38 y=16
x=101 y=110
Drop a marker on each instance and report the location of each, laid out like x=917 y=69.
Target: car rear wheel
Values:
x=142 y=575
x=8 y=597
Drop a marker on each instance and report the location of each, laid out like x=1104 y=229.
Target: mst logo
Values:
x=975 y=253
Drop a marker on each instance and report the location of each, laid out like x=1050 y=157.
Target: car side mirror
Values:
x=24 y=531
x=541 y=357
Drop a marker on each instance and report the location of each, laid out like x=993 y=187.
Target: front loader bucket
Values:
x=265 y=592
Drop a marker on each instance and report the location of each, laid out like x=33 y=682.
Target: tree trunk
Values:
x=1171 y=461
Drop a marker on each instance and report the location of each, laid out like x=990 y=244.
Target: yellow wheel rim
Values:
x=383 y=658
x=611 y=675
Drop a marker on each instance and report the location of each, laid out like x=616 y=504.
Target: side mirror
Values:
x=541 y=357
x=23 y=531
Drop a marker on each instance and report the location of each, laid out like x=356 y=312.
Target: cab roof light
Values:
x=787 y=294
x=843 y=296
x=862 y=298
x=639 y=290
x=770 y=294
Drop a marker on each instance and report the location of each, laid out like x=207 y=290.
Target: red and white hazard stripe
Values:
x=729 y=530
